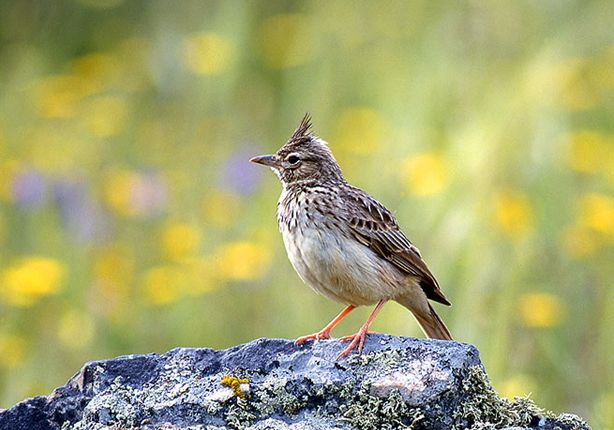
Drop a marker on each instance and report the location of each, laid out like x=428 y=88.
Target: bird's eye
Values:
x=293 y=159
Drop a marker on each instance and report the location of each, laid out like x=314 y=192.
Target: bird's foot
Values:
x=351 y=336
x=357 y=340
x=324 y=334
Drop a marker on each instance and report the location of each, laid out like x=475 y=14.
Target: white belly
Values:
x=342 y=269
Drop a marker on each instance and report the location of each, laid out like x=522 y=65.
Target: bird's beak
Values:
x=265 y=160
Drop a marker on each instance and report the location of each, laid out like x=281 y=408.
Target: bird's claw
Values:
x=356 y=339
x=315 y=336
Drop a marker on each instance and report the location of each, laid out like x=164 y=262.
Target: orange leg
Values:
x=359 y=337
x=325 y=332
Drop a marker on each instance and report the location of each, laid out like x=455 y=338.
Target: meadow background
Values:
x=131 y=220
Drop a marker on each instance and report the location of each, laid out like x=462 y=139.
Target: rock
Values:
x=273 y=384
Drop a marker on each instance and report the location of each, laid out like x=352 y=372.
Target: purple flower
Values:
x=81 y=215
x=29 y=190
x=239 y=176
x=149 y=195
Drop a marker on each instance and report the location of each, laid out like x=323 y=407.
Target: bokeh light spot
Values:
x=134 y=194
x=59 y=96
x=179 y=240
x=513 y=214
x=540 y=310
x=31 y=278
x=425 y=174
x=206 y=53
x=99 y=70
x=516 y=386
x=588 y=151
x=162 y=285
x=243 y=261
x=597 y=213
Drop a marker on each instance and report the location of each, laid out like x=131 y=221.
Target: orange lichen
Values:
x=235 y=384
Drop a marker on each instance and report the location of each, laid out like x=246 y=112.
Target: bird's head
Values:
x=305 y=158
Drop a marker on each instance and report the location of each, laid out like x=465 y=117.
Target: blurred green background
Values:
x=131 y=220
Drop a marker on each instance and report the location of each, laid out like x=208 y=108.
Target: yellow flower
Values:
x=30 y=279
x=540 y=310
x=162 y=285
x=134 y=194
x=425 y=174
x=206 y=53
x=100 y=70
x=285 y=41
x=76 y=329
x=359 y=131
x=12 y=350
x=588 y=151
x=513 y=214
x=243 y=261
x=597 y=213
x=179 y=240
x=105 y=116
x=119 y=186
x=59 y=96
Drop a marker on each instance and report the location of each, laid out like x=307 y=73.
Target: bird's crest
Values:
x=303 y=130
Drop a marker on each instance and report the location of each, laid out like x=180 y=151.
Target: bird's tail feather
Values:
x=432 y=325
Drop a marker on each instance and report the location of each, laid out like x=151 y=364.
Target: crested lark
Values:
x=343 y=243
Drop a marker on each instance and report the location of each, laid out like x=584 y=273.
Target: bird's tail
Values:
x=432 y=325
x=429 y=321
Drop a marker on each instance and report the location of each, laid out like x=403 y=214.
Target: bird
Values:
x=344 y=244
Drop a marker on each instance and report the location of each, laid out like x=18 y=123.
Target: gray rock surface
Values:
x=273 y=384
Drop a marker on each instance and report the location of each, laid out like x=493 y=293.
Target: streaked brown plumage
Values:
x=343 y=243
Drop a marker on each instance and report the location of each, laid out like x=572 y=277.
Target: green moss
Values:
x=572 y=421
x=357 y=407
x=240 y=414
x=486 y=410
x=367 y=412
x=272 y=396
x=387 y=358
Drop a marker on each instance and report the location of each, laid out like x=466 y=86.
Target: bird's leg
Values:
x=359 y=337
x=325 y=332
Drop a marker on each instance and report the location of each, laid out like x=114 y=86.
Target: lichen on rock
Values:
x=273 y=384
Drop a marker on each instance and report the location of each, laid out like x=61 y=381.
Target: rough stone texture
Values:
x=272 y=384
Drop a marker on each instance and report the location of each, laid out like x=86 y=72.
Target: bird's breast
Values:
x=330 y=260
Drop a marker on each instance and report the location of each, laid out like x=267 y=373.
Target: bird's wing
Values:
x=375 y=227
